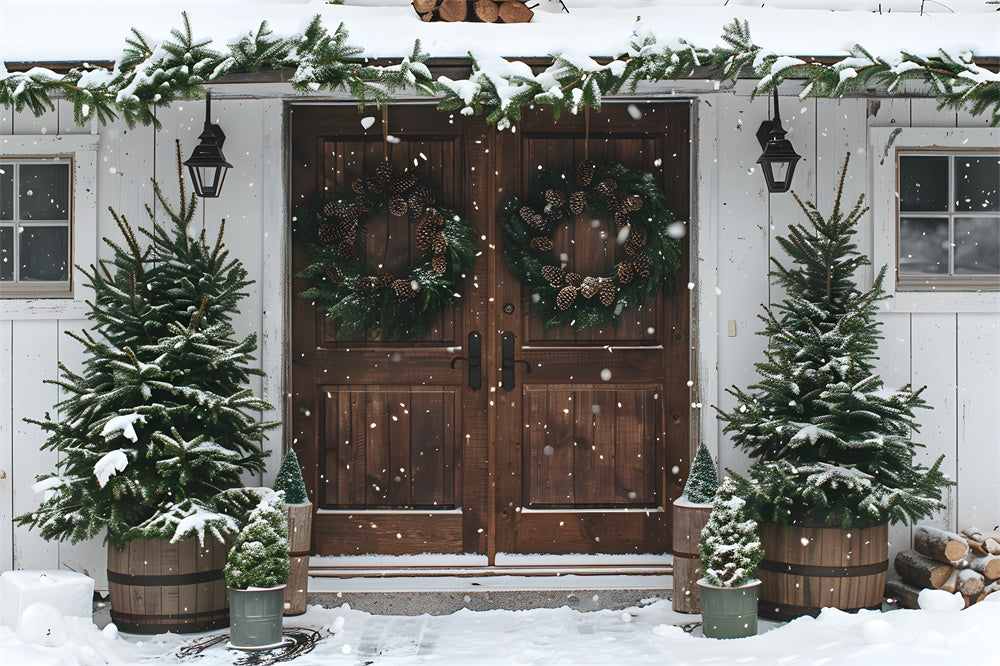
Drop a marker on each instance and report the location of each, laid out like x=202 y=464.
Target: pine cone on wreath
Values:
x=541 y=243
x=439 y=245
x=346 y=250
x=608 y=292
x=426 y=231
x=435 y=217
x=384 y=280
x=425 y=193
x=403 y=289
x=331 y=209
x=334 y=275
x=574 y=279
x=632 y=202
x=374 y=187
x=577 y=202
x=439 y=264
x=359 y=186
x=383 y=173
x=532 y=218
x=585 y=172
x=641 y=265
x=607 y=187
x=635 y=241
x=553 y=275
x=328 y=233
x=397 y=207
x=565 y=298
x=402 y=183
x=621 y=219
x=555 y=198
x=626 y=272
x=368 y=282
x=590 y=287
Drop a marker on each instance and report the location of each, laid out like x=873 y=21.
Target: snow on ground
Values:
x=651 y=634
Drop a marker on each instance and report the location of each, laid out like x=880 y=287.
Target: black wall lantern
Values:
x=779 y=158
x=207 y=164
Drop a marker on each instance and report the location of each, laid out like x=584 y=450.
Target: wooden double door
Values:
x=583 y=453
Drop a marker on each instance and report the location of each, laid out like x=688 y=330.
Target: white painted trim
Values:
x=885 y=142
x=6 y=448
x=83 y=148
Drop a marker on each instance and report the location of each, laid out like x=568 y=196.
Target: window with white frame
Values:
x=36 y=198
x=948 y=232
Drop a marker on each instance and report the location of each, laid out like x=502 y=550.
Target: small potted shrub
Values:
x=730 y=551
x=691 y=511
x=256 y=572
x=298 y=512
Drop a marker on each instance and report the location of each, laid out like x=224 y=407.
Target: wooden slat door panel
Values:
x=383 y=427
x=588 y=443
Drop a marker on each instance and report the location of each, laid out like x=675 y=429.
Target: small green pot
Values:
x=729 y=612
x=255 y=618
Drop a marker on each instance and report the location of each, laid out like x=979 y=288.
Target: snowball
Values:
x=877 y=631
x=42 y=624
x=110 y=631
x=940 y=600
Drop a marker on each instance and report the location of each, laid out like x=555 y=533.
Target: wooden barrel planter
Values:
x=158 y=586
x=299 y=546
x=806 y=569
x=689 y=521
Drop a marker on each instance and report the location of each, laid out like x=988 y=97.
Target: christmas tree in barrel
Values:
x=156 y=430
x=690 y=513
x=832 y=445
x=729 y=550
x=298 y=513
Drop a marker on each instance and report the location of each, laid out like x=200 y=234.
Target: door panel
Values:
x=588 y=448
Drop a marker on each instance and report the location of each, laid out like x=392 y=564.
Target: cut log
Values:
x=976 y=547
x=973 y=533
x=486 y=11
x=515 y=12
x=970 y=583
x=988 y=590
x=940 y=545
x=428 y=17
x=989 y=540
x=453 y=10
x=992 y=545
x=921 y=571
x=989 y=566
x=424 y=6
x=904 y=594
x=951 y=584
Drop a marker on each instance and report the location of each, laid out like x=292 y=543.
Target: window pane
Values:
x=923 y=183
x=6 y=253
x=977 y=245
x=6 y=191
x=44 y=253
x=976 y=182
x=923 y=246
x=43 y=191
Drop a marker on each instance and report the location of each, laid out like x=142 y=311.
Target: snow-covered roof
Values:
x=94 y=30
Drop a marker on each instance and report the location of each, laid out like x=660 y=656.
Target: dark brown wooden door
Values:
x=579 y=457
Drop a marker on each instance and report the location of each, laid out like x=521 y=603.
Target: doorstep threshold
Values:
x=482 y=584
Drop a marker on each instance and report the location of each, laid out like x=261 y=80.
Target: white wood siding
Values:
x=957 y=355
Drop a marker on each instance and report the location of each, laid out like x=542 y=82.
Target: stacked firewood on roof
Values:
x=968 y=563
x=484 y=11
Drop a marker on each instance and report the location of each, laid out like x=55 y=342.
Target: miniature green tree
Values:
x=832 y=444
x=729 y=548
x=290 y=481
x=703 y=480
x=160 y=421
x=259 y=556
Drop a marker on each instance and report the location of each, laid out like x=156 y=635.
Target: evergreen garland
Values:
x=361 y=298
x=151 y=74
x=289 y=480
x=650 y=257
x=160 y=420
x=729 y=548
x=703 y=480
x=259 y=556
x=832 y=445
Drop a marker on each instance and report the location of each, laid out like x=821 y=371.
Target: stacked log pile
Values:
x=968 y=563
x=483 y=11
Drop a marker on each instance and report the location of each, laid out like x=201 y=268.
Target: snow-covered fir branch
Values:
x=151 y=74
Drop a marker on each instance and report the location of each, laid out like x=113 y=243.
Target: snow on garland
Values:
x=151 y=74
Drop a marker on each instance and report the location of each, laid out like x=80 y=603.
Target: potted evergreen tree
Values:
x=159 y=425
x=298 y=512
x=256 y=572
x=729 y=551
x=834 y=458
x=691 y=512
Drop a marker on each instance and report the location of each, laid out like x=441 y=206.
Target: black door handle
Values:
x=474 y=360
x=508 y=362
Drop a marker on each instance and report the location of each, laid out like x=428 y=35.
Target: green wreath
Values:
x=562 y=297
x=361 y=298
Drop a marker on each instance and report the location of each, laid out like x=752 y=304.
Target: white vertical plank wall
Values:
x=7 y=476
